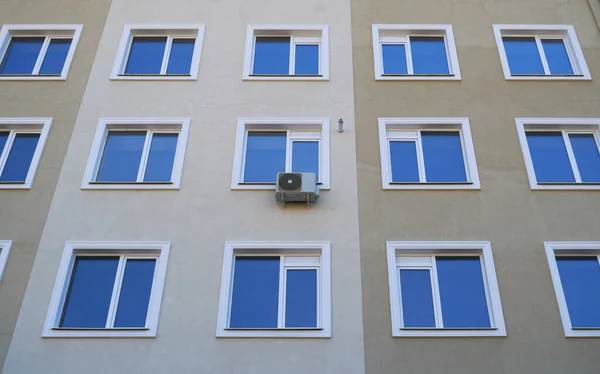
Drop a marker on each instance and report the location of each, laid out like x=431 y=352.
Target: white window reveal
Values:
x=5 y=246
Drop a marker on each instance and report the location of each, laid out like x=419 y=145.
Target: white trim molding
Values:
x=416 y=253
x=156 y=250
x=565 y=126
x=566 y=33
x=571 y=249
x=298 y=34
x=410 y=129
x=47 y=31
x=170 y=31
x=297 y=129
x=5 y=247
x=301 y=252
x=179 y=126
x=16 y=126
x=401 y=34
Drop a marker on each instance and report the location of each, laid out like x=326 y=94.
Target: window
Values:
x=427 y=153
x=265 y=147
x=575 y=271
x=22 y=142
x=150 y=52
x=444 y=289
x=415 y=52
x=145 y=153
x=108 y=289
x=561 y=153
x=5 y=246
x=275 y=289
x=540 y=52
x=42 y=52
x=275 y=52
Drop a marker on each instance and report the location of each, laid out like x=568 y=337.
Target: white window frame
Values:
x=159 y=30
x=295 y=250
x=295 y=128
x=428 y=250
x=5 y=247
x=151 y=125
x=410 y=129
x=566 y=126
x=135 y=249
x=400 y=34
x=569 y=249
x=299 y=34
x=564 y=32
x=48 y=31
x=19 y=126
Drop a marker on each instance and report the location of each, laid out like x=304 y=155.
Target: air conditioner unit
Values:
x=296 y=187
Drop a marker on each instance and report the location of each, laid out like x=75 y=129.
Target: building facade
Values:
x=455 y=147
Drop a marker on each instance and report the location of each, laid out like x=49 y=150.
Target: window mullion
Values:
x=540 y=47
x=292 y=67
x=437 y=301
x=571 y=155
x=114 y=301
x=281 y=299
x=41 y=55
x=421 y=159
x=409 y=63
x=145 y=155
x=288 y=152
x=6 y=150
x=465 y=158
x=166 y=54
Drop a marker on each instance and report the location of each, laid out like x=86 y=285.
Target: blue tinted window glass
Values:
x=403 y=158
x=135 y=293
x=301 y=298
x=443 y=156
x=523 y=56
x=417 y=298
x=146 y=55
x=255 y=295
x=160 y=159
x=587 y=157
x=272 y=56
x=580 y=278
x=305 y=157
x=122 y=156
x=3 y=138
x=394 y=59
x=21 y=55
x=462 y=292
x=19 y=158
x=55 y=57
x=557 y=57
x=90 y=291
x=265 y=156
x=429 y=55
x=180 y=58
x=549 y=157
x=307 y=59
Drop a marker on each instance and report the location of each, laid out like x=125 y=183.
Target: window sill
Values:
x=274 y=333
x=29 y=77
x=153 y=77
x=286 y=78
x=431 y=186
x=578 y=332
x=566 y=186
x=267 y=186
x=459 y=332
x=548 y=77
x=15 y=185
x=60 y=332
x=418 y=77
x=129 y=186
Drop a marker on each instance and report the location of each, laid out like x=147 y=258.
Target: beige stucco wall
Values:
x=23 y=212
x=204 y=213
x=506 y=212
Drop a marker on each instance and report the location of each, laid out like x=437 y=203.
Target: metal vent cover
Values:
x=290 y=181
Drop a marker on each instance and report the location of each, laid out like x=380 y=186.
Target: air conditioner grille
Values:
x=290 y=181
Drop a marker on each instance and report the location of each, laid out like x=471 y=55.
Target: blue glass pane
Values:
x=255 y=295
x=3 y=138
x=394 y=59
x=587 y=157
x=135 y=293
x=160 y=159
x=272 y=56
x=443 y=156
x=19 y=158
x=307 y=59
x=265 y=156
x=417 y=298
x=305 y=157
x=122 y=156
x=557 y=57
x=523 y=56
x=180 y=58
x=549 y=157
x=55 y=57
x=462 y=292
x=90 y=291
x=580 y=278
x=403 y=157
x=21 y=55
x=146 y=55
x=429 y=55
x=301 y=298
